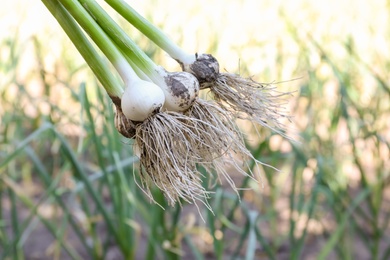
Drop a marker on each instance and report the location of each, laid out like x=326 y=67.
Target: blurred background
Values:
x=68 y=179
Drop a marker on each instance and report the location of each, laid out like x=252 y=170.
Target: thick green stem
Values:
x=85 y=48
x=101 y=39
x=151 y=31
x=122 y=40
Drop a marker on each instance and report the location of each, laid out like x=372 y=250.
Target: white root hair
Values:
x=217 y=127
x=168 y=160
x=247 y=99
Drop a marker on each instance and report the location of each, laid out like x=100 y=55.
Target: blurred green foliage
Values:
x=68 y=180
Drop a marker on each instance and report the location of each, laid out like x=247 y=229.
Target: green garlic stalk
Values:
x=94 y=60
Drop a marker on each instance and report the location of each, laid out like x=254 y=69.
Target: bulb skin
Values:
x=205 y=68
x=182 y=91
x=141 y=99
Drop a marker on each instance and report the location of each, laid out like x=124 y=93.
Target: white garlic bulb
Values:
x=141 y=99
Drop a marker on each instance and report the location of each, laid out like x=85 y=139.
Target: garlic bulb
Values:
x=181 y=90
x=205 y=68
x=141 y=99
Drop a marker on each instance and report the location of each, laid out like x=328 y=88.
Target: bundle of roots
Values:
x=173 y=145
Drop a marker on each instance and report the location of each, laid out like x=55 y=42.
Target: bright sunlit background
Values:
x=330 y=200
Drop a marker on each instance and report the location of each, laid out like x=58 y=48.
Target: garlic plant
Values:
x=174 y=130
x=181 y=88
